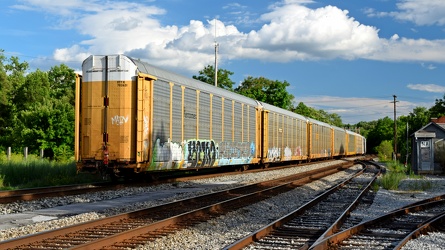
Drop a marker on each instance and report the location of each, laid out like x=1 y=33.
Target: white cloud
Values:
x=425 y=12
x=427 y=87
x=428 y=66
x=405 y=49
x=295 y=32
x=291 y=31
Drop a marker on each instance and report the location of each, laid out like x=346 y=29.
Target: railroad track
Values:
x=392 y=230
x=138 y=227
x=38 y=193
x=315 y=220
x=57 y=191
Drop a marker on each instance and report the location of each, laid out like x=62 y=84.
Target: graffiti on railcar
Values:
x=297 y=151
x=232 y=153
x=195 y=153
x=287 y=154
x=119 y=120
x=168 y=155
x=200 y=153
x=273 y=154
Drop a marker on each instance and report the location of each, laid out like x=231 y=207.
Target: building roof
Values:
x=424 y=129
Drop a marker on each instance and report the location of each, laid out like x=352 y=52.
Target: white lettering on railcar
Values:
x=119 y=120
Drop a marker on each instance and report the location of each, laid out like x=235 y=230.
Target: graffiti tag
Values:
x=119 y=120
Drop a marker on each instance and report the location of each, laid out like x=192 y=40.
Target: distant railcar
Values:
x=285 y=135
x=133 y=117
x=320 y=140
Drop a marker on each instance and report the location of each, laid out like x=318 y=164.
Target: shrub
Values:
x=391 y=180
x=384 y=150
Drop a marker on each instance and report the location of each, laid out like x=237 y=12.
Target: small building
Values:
x=428 y=146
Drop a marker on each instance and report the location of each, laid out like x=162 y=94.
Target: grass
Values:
x=396 y=173
x=17 y=172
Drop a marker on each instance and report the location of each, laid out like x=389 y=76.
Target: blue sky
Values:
x=346 y=57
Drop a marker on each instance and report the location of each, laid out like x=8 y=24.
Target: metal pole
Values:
x=407 y=145
x=216 y=59
x=216 y=64
x=395 y=128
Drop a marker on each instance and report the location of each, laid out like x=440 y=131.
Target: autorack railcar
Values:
x=133 y=117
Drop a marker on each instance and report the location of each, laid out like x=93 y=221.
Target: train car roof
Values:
x=320 y=123
x=269 y=107
x=169 y=76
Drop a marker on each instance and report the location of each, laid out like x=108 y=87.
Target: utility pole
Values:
x=395 y=128
x=216 y=59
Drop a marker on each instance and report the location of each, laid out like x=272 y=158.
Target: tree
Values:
x=12 y=77
x=33 y=111
x=383 y=130
x=438 y=110
x=5 y=88
x=44 y=113
x=319 y=115
x=268 y=91
x=385 y=150
x=208 y=75
x=418 y=118
x=62 y=81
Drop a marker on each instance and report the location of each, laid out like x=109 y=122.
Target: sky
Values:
x=345 y=57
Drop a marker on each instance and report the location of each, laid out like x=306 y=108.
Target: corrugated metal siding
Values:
x=303 y=140
x=351 y=144
x=161 y=110
x=252 y=124
x=228 y=120
x=189 y=82
x=272 y=130
x=339 y=142
x=280 y=132
x=245 y=123
x=204 y=116
x=238 y=125
x=217 y=118
x=190 y=114
x=359 y=144
x=177 y=113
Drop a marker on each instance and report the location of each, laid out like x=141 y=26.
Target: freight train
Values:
x=133 y=117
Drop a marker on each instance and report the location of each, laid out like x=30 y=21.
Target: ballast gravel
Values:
x=224 y=230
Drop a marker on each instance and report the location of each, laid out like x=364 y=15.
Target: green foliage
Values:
x=382 y=131
x=397 y=173
x=37 y=109
x=375 y=186
x=34 y=172
x=391 y=181
x=438 y=110
x=320 y=115
x=385 y=150
x=208 y=75
x=268 y=91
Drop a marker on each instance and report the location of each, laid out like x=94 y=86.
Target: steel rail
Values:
x=424 y=228
x=302 y=177
x=266 y=230
x=347 y=233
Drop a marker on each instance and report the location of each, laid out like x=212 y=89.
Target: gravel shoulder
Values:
x=226 y=229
